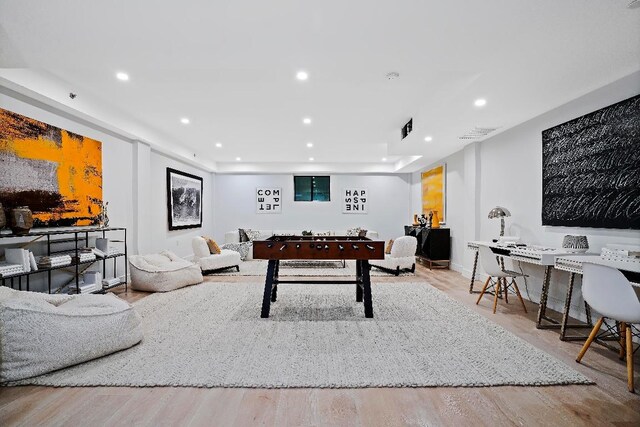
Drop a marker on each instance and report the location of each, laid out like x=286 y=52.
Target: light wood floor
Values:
x=607 y=403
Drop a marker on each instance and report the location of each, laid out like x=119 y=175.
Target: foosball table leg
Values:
x=268 y=288
x=366 y=289
x=358 y=281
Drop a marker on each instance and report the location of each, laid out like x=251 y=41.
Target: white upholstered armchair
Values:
x=402 y=256
x=209 y=262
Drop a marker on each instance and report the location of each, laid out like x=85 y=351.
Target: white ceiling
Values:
x=230 y=68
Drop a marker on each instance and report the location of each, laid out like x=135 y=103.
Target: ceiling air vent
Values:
x=477 y=133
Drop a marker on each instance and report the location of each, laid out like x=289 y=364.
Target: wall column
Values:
x=141 y=237
x=471 y=202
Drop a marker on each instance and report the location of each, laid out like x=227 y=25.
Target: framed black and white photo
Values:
x=184 y=200
x=355 y=200
x=268 y=200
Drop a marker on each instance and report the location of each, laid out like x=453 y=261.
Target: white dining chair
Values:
x=608 y=292
x=501 y=280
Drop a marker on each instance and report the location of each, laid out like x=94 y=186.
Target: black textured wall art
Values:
x=591 y=169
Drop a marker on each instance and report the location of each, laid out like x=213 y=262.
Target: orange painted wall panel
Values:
x=57 y=173
x=433 y=191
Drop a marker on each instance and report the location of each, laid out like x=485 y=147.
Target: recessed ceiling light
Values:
x=480 y=102
x=311 y=159
x=309 y=144
x=306 y=120
x=302 y=75
x=218 y=145
x=122 y=76
x=428 y=138
x=185 y=121
x=384 y=159
x=238 y=159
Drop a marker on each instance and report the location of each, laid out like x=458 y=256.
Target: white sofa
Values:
x=402 y=256
x=162 y=272
x=40 y=333
x=209 y=262
x=234 y=236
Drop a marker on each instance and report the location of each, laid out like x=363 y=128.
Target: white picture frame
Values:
x=355 y=201
x=269 y=200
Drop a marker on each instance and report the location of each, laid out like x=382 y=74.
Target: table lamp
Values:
x=499 y=212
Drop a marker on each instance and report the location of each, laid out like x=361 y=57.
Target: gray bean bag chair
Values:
x=40 y=333
x=162 y=272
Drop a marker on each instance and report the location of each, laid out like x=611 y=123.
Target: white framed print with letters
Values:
x=268 y=200
x=355 y=200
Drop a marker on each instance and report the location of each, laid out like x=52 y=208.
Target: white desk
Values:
x=537 y=255
x=573 y=264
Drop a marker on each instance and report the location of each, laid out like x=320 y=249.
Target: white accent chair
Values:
x=162 y=272
x=608 y=292
x=401 y=258
x=210 y=263
x=498 y=278
x=41 y=333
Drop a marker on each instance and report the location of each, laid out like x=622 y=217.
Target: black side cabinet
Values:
x=434 y=245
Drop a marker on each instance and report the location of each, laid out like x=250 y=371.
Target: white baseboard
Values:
x=457 y=267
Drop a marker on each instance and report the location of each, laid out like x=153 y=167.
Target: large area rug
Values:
x=302 y=268
x=211 y=335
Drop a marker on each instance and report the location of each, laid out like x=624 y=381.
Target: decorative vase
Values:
x=435 y=221
x=577 y=244
x=3 y=217
x=415 y=219
x=20 y=220
x=422 y=220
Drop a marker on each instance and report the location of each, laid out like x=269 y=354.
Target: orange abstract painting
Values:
x=56 y=173
x=433 y=191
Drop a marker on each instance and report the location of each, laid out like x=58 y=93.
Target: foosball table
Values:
x=277 y=248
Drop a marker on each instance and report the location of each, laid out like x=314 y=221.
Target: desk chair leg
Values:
x=592 y=336
x=484 y=289
x=629 y=336
x=515 y=285
x=495 y=297
x=622 y=328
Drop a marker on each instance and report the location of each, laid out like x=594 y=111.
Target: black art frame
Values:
x=183 y=210
x=590 y=172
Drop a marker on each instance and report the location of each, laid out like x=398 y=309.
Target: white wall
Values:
x=389 y=205
x=506 y=170
x=178 y=241
x=116 y=157
x=511 y=176
x=454 y=203
x=122 y=188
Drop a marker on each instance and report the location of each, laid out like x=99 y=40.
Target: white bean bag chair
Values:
x=40 y=333
x=162 y=272
x=402 y=256
x=209 y=262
